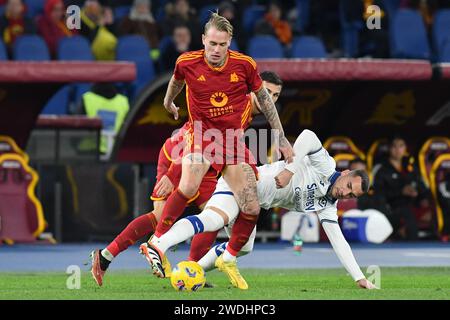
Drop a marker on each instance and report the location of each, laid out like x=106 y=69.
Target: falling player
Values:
x=309 y=184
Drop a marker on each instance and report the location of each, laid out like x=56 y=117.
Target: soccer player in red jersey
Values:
x=168 y=176
x=218 y=82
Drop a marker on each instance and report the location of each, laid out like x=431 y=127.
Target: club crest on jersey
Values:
x=218 y=99
x=234 y=77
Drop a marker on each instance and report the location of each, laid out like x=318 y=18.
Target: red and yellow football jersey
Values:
x=219 y=97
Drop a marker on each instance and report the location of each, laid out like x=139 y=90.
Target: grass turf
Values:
x=324 y=284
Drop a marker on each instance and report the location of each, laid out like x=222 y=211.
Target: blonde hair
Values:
x=220 y=23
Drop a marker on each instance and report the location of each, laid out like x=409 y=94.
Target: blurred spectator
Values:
x=52 y=24
x=141 y=21
x=324 y=23
x=97 y=25
x=372 y=42
x=104 y=101
x=179 y=11
x=181 y=42
x=444 y=199
x=227 y=10
x=14 y=22
x=399 y=183
x=273 y=24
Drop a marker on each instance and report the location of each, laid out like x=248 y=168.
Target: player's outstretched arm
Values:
x=269 y=110
x=173 y=89
x=345 y=254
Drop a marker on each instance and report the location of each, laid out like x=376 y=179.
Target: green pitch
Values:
x=396 y=283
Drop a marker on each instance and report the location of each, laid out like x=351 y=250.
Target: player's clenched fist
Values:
x=287 y=150
x=283 y=178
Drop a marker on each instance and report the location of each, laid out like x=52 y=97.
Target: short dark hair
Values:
x=394 y=137
x=365 y=182
x=356 y=160
x=271 y=77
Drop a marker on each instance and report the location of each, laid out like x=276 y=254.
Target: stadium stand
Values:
x=205 y=12
x=264 y=47
x=34 y=7
x=30 y=48
x=3 y=53
x=441 y=35
x=135 y=49
x=121 y=12
x=408 y=36
x=74 y=48
x=308 y=47
x=59 y=102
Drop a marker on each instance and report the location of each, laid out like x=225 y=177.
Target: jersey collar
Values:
x=219 y=68
x=332 y=179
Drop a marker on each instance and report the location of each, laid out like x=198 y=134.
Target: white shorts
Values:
x=224 y=200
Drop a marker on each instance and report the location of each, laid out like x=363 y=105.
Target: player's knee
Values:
x=252 y=208
x=212 y=221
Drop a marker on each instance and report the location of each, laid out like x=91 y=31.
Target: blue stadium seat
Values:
x=34 y=7
x=136 y=49
x=30 y=48
x=3 y=53
x=308 y=47
x=441 y=31
x=121 y=12
x=391 y=7
x=205 y=12
x=263 y=47
x=59 y=102
x=444 y=55
x=250 y=16
x=80 y=89
x=349 y=33
x=2 y=10
x=74 y=48
x=408 y=36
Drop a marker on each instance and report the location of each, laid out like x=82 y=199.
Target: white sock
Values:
x=228 y=257
x=207 y=262
x=207 y=221
x=107 y=255
x=180 y=231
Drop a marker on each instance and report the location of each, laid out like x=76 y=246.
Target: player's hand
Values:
x=283 y=178
x=366 y=284
x=287 y=150
x=173 y=109
x=164 y=187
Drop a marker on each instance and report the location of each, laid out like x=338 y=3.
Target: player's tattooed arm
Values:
x=269 y=110
x=173 y=89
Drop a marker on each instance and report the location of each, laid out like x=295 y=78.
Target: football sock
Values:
x=185 y=228
x=200 y=245
x=240 y=233
x=135 y=230
x=173 y=209
x=208 y=260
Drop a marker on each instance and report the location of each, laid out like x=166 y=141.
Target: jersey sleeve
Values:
x=328 y=214
x=179 y=72
x=254 y=80
x=322 y=162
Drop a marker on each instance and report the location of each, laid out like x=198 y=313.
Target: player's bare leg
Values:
x=242 y=181
x=136 y=229
x=194 y=168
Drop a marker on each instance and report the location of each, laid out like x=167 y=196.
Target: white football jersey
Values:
x=307 y=190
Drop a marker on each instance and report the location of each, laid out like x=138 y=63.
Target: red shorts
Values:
x=220 y=154
x=165 y=161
